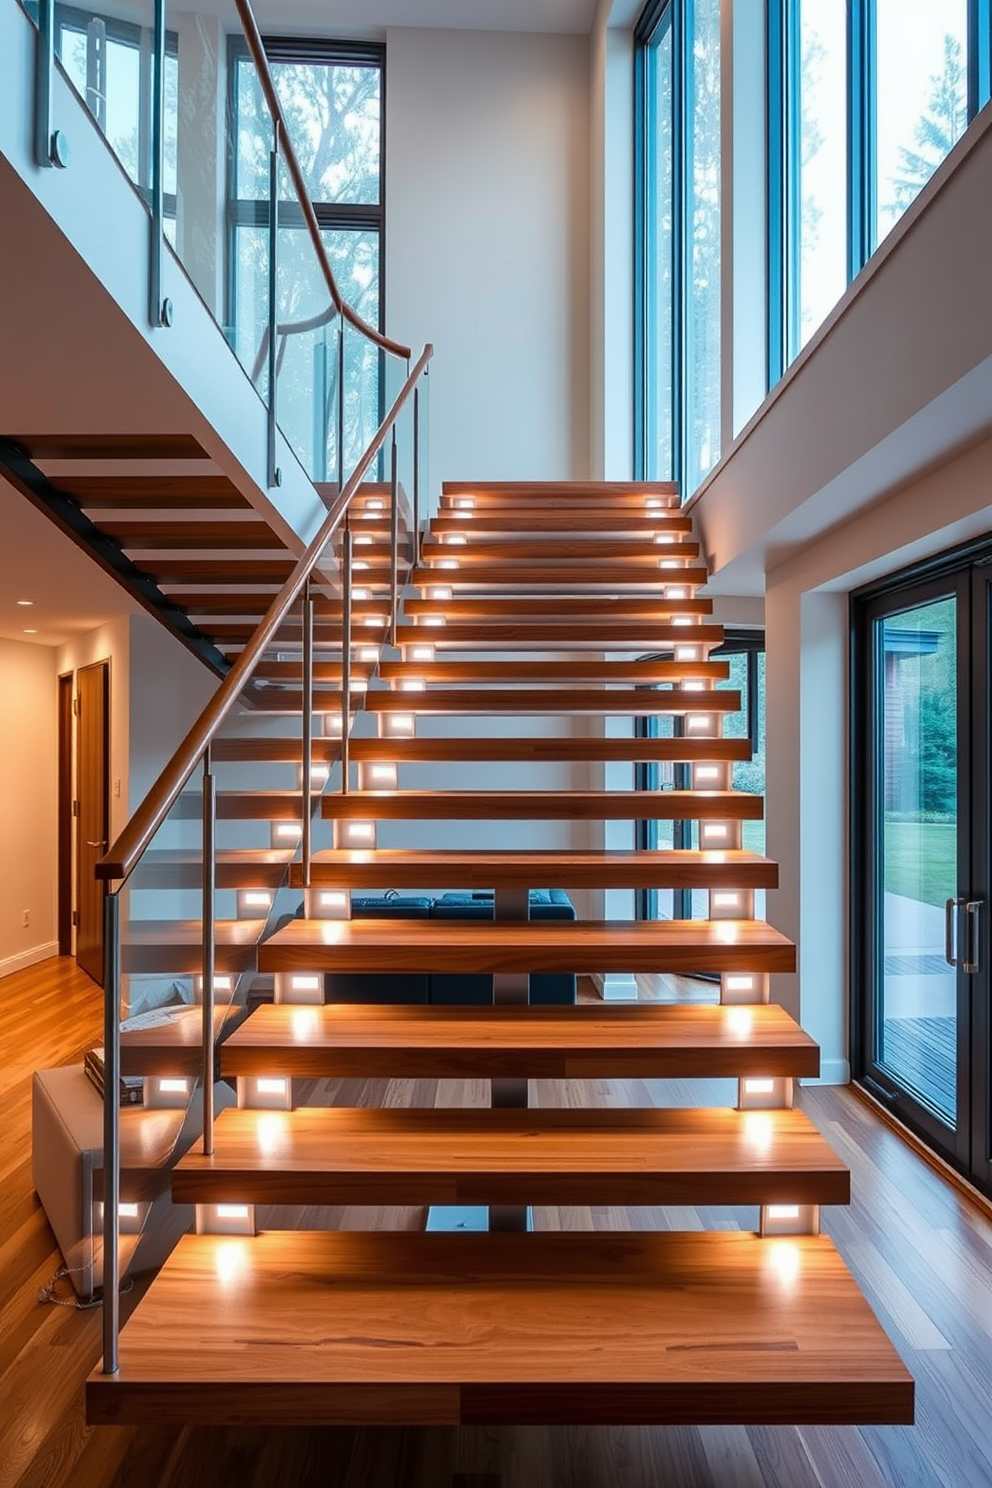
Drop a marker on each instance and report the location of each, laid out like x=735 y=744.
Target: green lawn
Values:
x=920 y=860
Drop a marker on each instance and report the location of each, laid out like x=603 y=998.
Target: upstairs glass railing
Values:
x=220 y=851
x=231 y=158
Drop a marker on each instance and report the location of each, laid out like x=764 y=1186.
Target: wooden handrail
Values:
x=254 y=40
x=136 y=836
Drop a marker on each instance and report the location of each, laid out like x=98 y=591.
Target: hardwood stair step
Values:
x=506 y=749
x=177 y=946
x=395 y=868
x=333 y=1155
x=604 y=573
x=243 y=572
x=549 y=635
x=439 y=673
x=445 y=1330
x=487 y=521
x=484 y=946
x=154 y=493
x=682 y=1041
x=237 y=868
x=543 y=701
x=619 y=492
x=581 y=550
x=175 y=1046
x=513 y=805
x=86 y=447
x=539 y=607
x=191 y=533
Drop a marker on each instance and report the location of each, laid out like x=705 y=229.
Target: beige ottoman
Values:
x=67 y=1163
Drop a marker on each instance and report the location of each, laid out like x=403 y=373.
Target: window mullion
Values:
x=862 y=135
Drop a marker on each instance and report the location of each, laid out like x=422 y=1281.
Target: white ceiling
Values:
x=327 y=17
x=38 y=562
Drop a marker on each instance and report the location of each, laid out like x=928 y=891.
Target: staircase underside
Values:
x=344 y=1328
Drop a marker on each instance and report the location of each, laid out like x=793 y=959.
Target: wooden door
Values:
x=65 y=817
x=92 y=822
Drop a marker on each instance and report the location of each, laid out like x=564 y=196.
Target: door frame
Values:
x=66 y=793
x=956 y=573
x=84 y=852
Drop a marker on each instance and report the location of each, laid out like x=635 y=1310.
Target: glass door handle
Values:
x=951 y=908
x=973 y=937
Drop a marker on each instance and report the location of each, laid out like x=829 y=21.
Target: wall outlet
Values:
x=25 y=918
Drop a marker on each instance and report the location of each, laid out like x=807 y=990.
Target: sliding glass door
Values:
x=920 y=856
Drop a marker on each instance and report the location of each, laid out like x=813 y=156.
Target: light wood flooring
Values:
x=921 y=1251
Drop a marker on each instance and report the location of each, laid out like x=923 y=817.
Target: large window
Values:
x=865 y=101
x=332 y=95
x=679 y=240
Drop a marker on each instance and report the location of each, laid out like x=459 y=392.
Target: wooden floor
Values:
x=921 y=1252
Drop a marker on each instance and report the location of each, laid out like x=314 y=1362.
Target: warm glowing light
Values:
x=306 y=983
x=27 y=631
x=683 y=620
x=333 y=899
x=759 y=1130
x=284 y=832
x=665 y=538
x=169 y=1086
x=669 y=563
x=707 y=772
x=422 y=653
x=676 y=591
x=694 y=687
x=786 y=1260
x=363 y=541
x=382 y=776
x=413 y=684
x=735 y=983
x=456 y=540
x=399 y=725
x=726 y=932
x=653 y=503
x=726 y=899
x=230 y=1262
x=24 y=602
x=359 y=831
x=755 y=1086
x=439 y=591
x=432 y=619
x=374 y=620
x=447 y=563
x=360 y=564
x=270 y=1085
x=367 y=654
x=127 y=1211
x=270 y=1132
x=740 y=1021
x=714 y=831
x=305 y=1021
x=361 y=593
x=465 y=503
x=783 y=1211
x=687 y=653
x=255 y=899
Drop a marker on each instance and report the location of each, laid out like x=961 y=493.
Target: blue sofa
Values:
x=447 y=989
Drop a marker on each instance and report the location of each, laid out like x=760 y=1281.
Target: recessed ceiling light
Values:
x=30 y=632
x=25 y=601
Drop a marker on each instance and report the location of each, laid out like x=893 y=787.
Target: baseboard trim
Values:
x=832 y=1072
x=616 y=986
x=24 y=959
x=936 y=1163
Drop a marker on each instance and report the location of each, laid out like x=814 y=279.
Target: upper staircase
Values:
x=523 y=602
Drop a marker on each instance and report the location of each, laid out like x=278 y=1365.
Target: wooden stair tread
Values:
x=177 y=945
x=512 y=805
x=237 y=868
x=547 y=635
x=326 y=750
x=493 y=521
x=333 y=1155
x=583 y=1041
x=452 y=869
x=568 y=490
x=641 y=548
x=482 y=946
x=174 y=1047
x=572 y=670
x=545 y=700
x=581 y=607
x=153 y=492
x=602 y=573
x=444 y=1330
x=184 y=532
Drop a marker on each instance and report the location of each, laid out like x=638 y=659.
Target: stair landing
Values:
x=432 y=1329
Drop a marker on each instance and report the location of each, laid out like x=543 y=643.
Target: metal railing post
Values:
x=111 y=1129
x=50 y=145
x=209 y=947
x=415 y=549
x=159 y=309
x=346 y=557
x=306 y=773
x=341 y=405
x=394 y=536
x=274 y=473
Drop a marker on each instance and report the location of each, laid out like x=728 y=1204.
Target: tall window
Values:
x=332 y=96
x=865 y=101
x=109 y=62
x=679 y=240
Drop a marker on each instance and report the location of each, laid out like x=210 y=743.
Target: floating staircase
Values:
x=510 y=1324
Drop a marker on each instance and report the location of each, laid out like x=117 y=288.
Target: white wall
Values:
x=487 y=190
x=28 y=795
